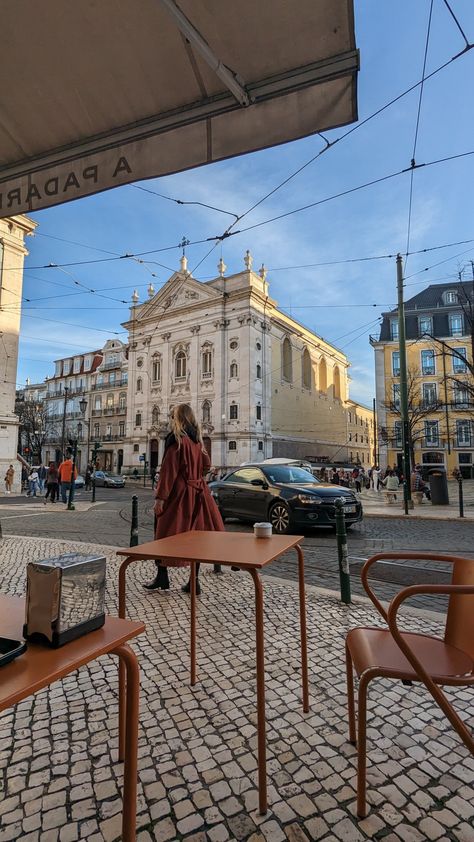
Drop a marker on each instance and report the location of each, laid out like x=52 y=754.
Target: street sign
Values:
x=141 y=458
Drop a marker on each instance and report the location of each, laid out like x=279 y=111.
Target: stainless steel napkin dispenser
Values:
x=65 y=597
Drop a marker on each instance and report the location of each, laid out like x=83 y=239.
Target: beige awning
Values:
x=98 y=93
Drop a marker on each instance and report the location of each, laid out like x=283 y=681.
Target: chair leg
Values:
x=362 y=747
x=350 y=697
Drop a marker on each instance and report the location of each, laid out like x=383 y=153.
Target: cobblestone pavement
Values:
x=109 y=523
x=197 y=769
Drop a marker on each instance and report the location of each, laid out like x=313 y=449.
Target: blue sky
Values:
x=391 y=38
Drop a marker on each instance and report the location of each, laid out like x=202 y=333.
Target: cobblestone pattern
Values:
x=197 y=746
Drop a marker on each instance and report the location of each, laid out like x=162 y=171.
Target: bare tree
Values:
x=418 y=411
x=36 y=426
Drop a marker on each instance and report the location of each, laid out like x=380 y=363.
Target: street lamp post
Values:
x=83 y=409
x=63 y=432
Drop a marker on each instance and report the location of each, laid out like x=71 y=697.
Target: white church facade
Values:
x=260 y=383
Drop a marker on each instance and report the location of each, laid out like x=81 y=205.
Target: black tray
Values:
x=10 y=649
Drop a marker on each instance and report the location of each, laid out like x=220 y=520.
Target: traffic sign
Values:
x=141 y=458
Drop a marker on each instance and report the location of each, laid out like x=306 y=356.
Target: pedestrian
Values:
x=24 y=478
x=182 y=499
x=41 y=476
x=335 y=477
x=391 y=485
x=418 y=484
x=356 y=476
x=33 y=483
x=52 y=483
x=9 y=477
x=66 y=478
x=88 y=478
x=375 y=478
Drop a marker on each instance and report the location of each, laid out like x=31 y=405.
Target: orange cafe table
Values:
x=249 y=554
x=39 y=666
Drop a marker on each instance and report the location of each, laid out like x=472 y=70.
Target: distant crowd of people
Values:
x=49 y=482
x=375 y=479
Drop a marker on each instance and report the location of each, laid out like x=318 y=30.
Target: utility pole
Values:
x=445 y=383
x=403 y=389
x=376 y=461
x=63 y=433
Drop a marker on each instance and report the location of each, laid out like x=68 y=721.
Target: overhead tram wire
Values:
x=468 y=45
x=104 y=251
x=182 y=201
x=417 y=126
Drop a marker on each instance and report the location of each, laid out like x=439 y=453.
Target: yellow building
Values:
x=360 y=434
x=439 y=328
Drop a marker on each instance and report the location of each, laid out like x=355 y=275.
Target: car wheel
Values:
x=280 y=518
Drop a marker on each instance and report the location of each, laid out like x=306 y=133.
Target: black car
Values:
x=286 y=496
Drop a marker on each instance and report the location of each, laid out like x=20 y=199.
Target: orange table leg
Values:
x=304 y=642
x=193 y=623
x=129 y=662
x=261 y=719
x=122 y=677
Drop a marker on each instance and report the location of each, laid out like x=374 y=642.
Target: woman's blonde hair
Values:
x=183 y=418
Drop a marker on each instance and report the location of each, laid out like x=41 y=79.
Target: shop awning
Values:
x=98 y=93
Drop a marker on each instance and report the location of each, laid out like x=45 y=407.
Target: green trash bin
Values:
x=439 y=488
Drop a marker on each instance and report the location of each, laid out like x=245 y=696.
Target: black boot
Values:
x=187 y=587
x=161 y=580
x=218 y=569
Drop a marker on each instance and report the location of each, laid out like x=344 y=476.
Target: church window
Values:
x=155 y=415
x=286 y=360
x=139 y=385
x=259 y=411
x=234 y=370
x=156 y=370
x=180 y=366
x=206 y=412
x=306 y=369
x=207 y=364
x=259 y=371
x=233 y=412
x=323 y=377
x=232 y=445
x=337 y=383
x=138 y=419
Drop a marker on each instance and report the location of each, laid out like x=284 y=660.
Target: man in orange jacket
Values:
x=65 y=477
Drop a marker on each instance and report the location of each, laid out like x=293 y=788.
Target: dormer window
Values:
x=450 y=297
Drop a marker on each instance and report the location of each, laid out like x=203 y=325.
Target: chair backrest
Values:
x=460 y=617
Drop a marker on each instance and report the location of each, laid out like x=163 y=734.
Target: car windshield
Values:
x=288 y=474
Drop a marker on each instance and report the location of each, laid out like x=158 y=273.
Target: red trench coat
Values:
x=188 y=501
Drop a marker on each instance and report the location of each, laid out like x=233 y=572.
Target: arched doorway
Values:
x=119 y=461
x=208 y=446
x=153 y=456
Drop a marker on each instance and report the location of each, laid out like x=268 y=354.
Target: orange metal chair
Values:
x=389 y=653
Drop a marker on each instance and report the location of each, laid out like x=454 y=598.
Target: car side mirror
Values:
x=259 y=482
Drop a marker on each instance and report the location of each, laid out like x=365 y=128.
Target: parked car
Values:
x=108 y=480
x=287 y=496
x=79 y=482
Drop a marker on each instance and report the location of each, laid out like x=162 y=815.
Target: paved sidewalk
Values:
x=197 y=782
x=375 y=505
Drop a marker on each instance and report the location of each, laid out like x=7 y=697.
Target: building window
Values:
x=139 y=385
x=463 y=434
x=232 y=445
x=96 y=431
x=122 y=401
x=66 y=367
x=396 y=363
x=394 y=329
x=155 y=415
x=431 y=434
x=425 y=325
x=337 y=383
x=87 y=363
x=260 y=445
x=112 y=378
x=233 y=344
x=206 y=412
x=429 y=394
x=259 y=371
x=234 y=370
x=455 y=324
x=450 y=297
x=233 y=412
x=306 y=369
x=180 y=366
x=122 y=428
x=97 y=403
x=286 y=360
x=323 y=375
x=259 y=412
x=207 y=364
x=459 y=365
x=156 y=370
x=460 y=396
x=427 y=362
x=396 y=395
x=258 y=346
x=77 y=365
x=138 y=419
x=136 y=448
x=108 y=431
x=110 y=402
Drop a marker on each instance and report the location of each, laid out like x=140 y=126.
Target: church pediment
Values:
x=178 y=292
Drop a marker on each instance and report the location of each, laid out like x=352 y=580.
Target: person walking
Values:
x=375 y=478
x=356 y=476
x=182 y=499
x=9 y=477
x=52 y=483
x=418 y=484
x=66 y=478
x=42 y=472
x=33 y=483
x=88 y=478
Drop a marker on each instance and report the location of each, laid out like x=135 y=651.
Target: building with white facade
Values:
x=12 y=255
x=260 y=382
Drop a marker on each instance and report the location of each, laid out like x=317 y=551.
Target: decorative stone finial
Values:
x=184 y=264
x=135 y=297
x=263 y=272
x=248 y=260
x=221 y=267
x=151 y=290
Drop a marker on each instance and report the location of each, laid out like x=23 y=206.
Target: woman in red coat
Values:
x=182 y=498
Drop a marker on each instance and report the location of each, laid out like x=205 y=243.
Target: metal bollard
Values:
x=341 y=537
x=461 y=497
x=134 y=524
x=93 y=489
